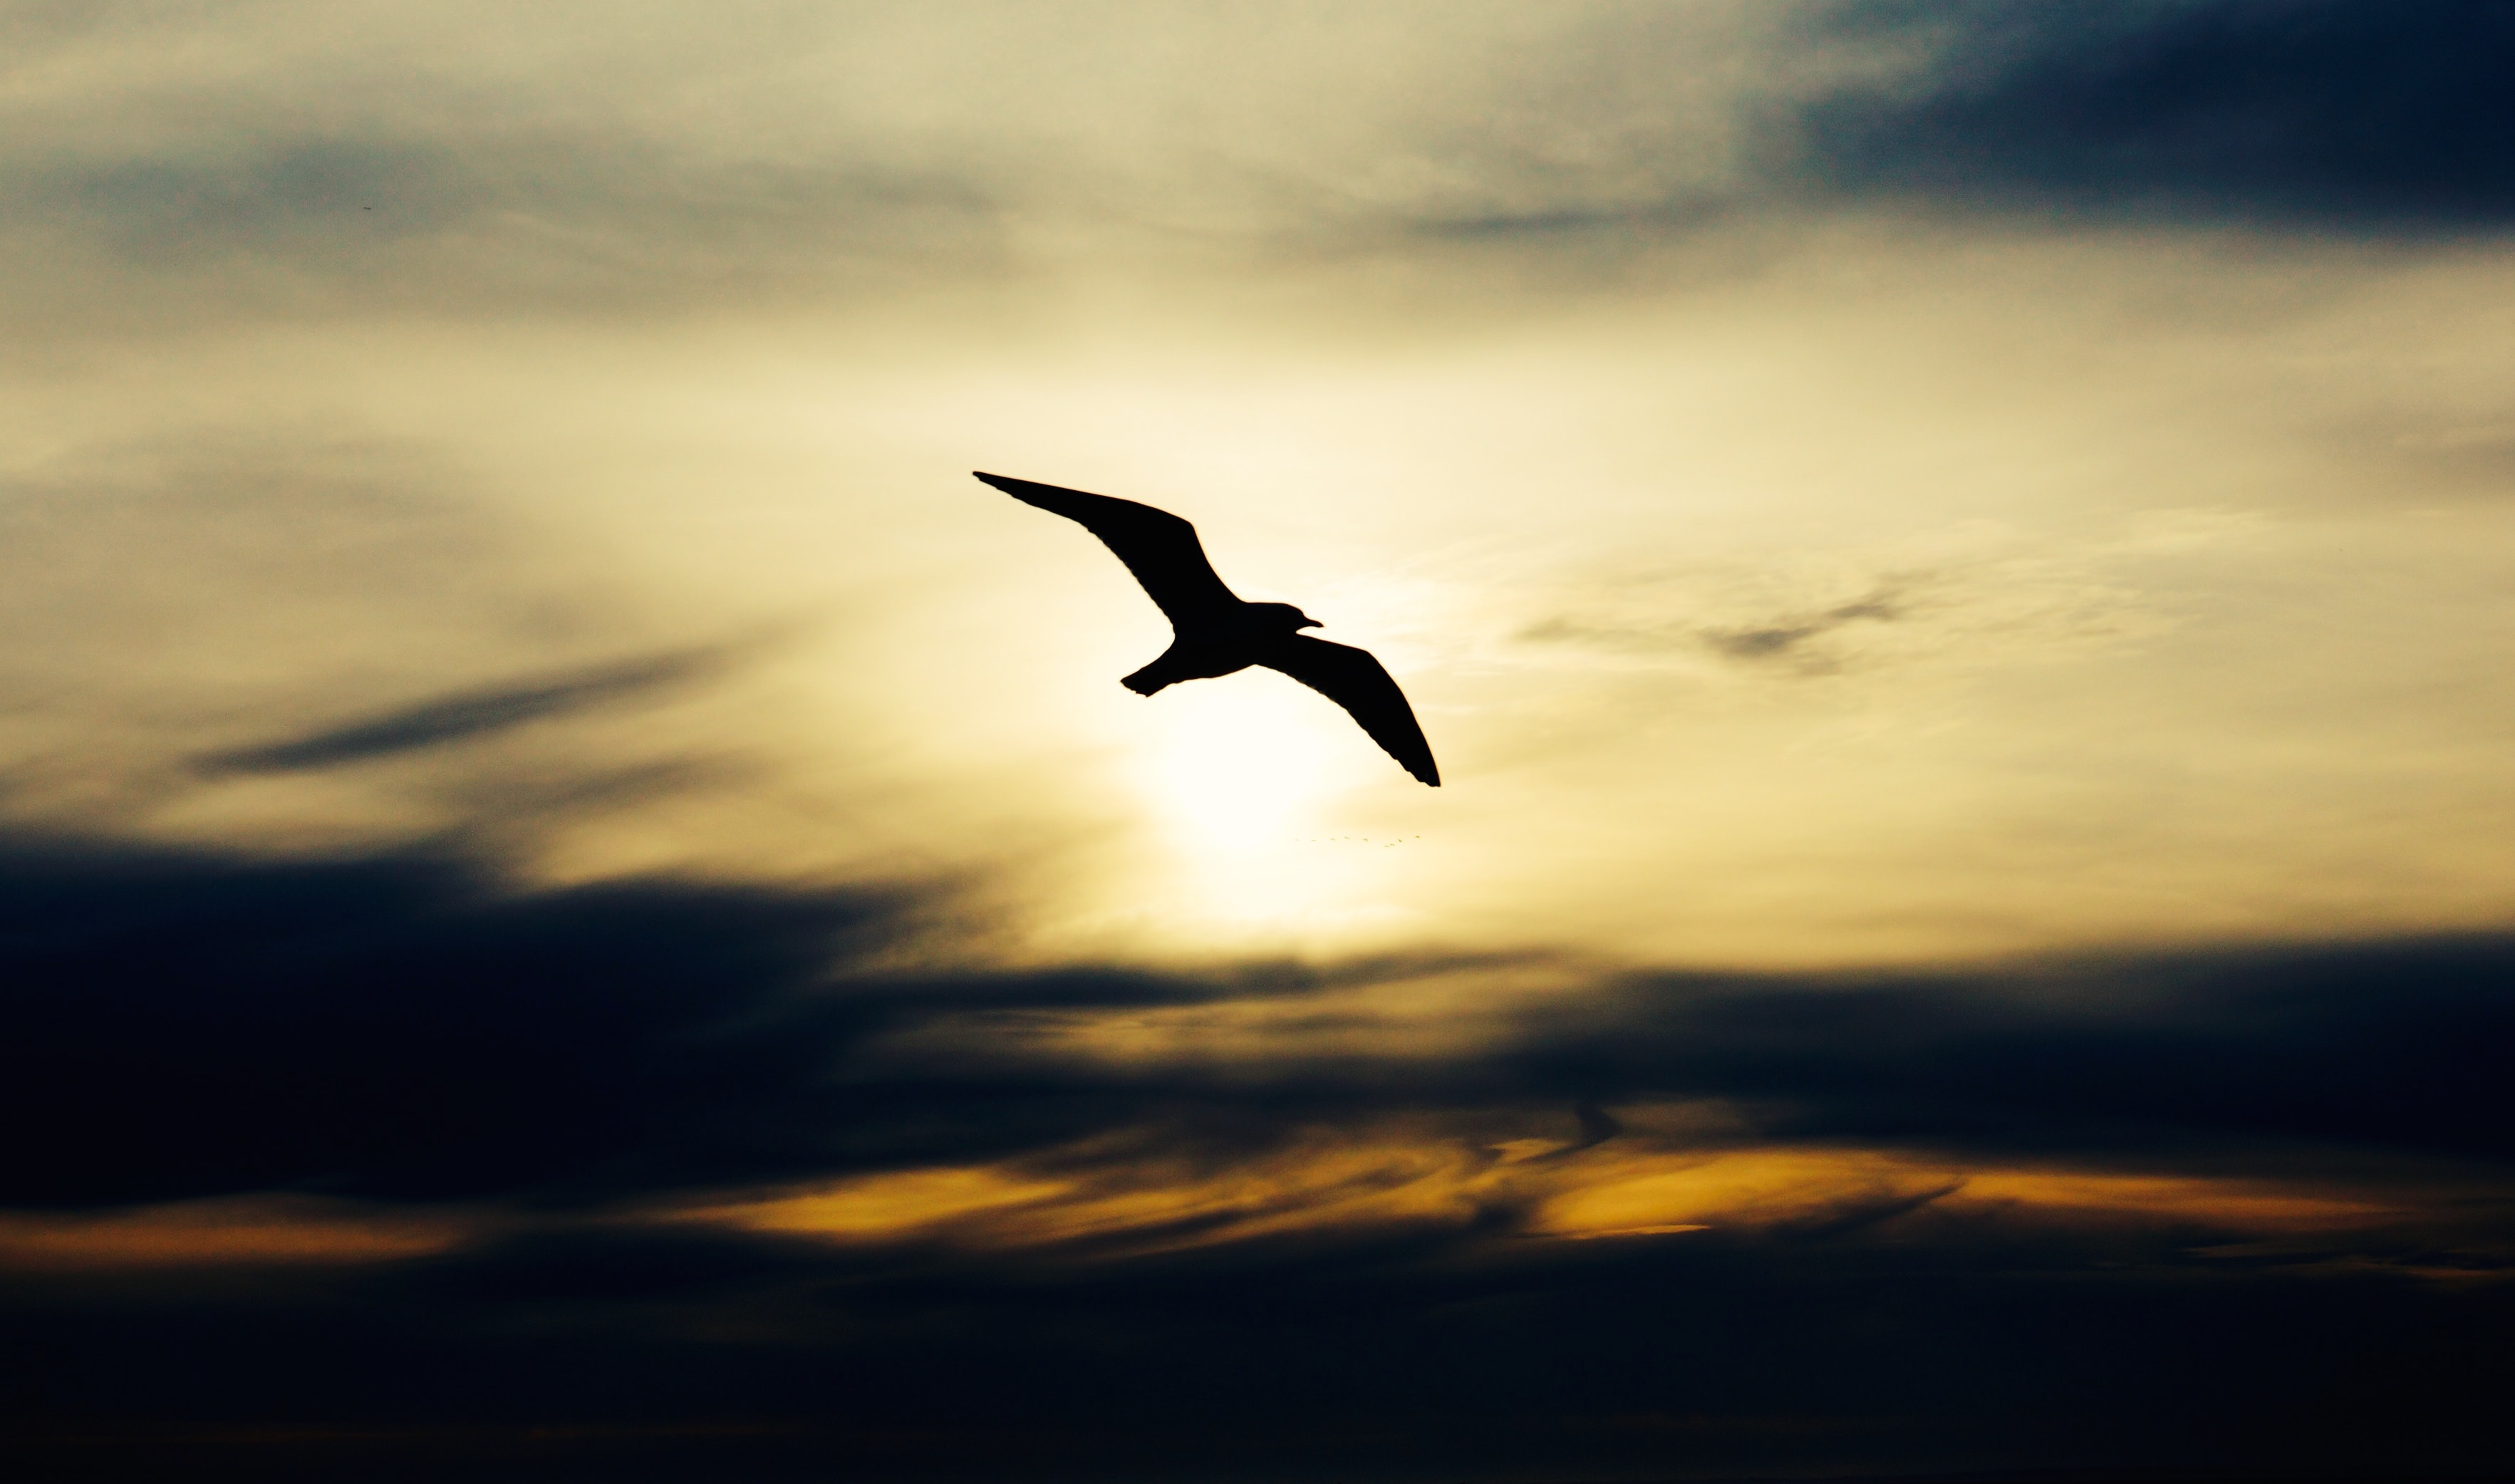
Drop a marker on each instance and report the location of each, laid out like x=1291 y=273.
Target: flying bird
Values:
x=1217 y=634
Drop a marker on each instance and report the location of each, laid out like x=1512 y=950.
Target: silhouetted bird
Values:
x=1218 y=634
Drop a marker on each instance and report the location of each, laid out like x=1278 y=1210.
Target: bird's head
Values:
x=1285 y=616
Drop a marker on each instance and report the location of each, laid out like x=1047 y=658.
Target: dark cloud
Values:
x=471 y=713
x=396 y=1027
x=403 y=1031
x=2367 y=1046
x=2350 y=115
x=381 y=1026
x=2346 y=112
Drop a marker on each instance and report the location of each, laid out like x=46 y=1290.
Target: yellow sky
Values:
x=1912 y=595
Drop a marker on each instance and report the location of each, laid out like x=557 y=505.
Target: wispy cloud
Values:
x=1776 y=639
x=277 y=169
x=467 y=715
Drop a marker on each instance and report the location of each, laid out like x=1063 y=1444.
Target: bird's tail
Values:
x=1173 y=665
x=1165 y=670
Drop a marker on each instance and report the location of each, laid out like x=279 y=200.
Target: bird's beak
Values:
x=1310 y=623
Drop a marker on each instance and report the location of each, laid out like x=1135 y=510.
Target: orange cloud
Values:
x=248 y=1230
x=1417 y=1175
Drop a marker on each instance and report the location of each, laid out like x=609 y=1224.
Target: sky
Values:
x=578 y=901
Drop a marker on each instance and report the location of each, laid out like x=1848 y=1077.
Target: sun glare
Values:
x=1240 y=779
x=1239 y=766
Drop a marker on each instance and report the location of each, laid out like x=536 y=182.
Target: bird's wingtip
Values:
x=1005 y=482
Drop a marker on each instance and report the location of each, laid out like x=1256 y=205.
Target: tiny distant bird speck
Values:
x=1217 y=634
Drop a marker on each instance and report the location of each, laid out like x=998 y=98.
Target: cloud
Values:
x=1776 y=641
x=382 y=1027
x=489 y=221
x=465 y=716
x=2326 y=113
x=1771 y=641
x=2364 y=1045
x=168 y=605
x=399 y=1027
x=666 y=1154
x=278 y=169
x=2314 y=115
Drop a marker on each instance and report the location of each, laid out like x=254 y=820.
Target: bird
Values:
x=1214 y=633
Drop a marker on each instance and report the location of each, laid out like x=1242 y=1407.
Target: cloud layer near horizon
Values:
x=700 y=1125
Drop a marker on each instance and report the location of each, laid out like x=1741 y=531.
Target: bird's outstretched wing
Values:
x=1158 y=547
x=1354 y=681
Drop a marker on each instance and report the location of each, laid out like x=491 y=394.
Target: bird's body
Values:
x=1217 y=634
x=1227 y=645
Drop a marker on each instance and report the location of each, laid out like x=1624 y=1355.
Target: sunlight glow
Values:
x=1242 y=779
x=1239 y=768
